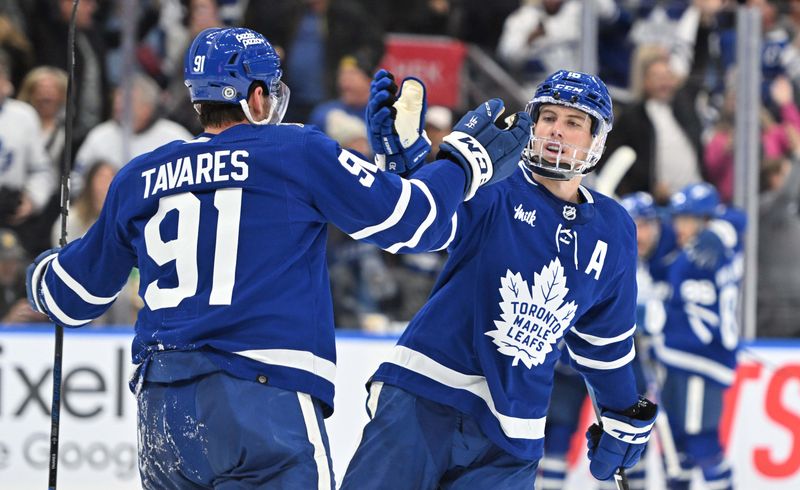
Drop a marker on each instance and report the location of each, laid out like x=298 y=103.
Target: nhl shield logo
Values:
x=229 y=92
x=569 y=212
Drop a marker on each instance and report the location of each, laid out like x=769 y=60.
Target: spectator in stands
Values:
x=148 y=41
x=45 y=89
x=49 y=33
x=14 y=307
x=106 y=141
x=776 y=136
x=352 y=83
x=779 y=55
x=434 y=17
x=348 y=130
x=312 y=36
x=480 y=22
x=18 y=48
x=438 y=124
x=26 y=174
x=540 y=37
x=85 y=210
x=662 y=128
x=199 y=15
x=778 y=241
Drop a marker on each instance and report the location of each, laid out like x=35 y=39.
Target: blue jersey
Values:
x=526 y=269
x=700 y=334
x=653 y=281
x=228 y=232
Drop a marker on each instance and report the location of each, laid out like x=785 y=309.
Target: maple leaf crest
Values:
x=532 y=318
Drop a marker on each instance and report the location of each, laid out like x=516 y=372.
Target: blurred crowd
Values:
x=670 y=65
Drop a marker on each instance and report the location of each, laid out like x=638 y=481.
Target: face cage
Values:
x=279 y=95
x=567 y=164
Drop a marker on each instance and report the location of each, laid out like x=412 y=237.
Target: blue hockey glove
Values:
x=487 y=151
x=396 y=123
x=622 y=438
x=34 y=277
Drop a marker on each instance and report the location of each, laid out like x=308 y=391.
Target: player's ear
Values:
x=258 y=102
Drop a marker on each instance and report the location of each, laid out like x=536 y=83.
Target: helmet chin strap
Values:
x=249 y=116
x=548 y=174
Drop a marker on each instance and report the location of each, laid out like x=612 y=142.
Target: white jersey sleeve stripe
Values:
x=604 y=365
x=37 y=274
x=453 y=228
x=694 y=363
x=425 y=224
x=513 y=427
x=296 y=359
x=393 y=219
x=594 y=340
x=57 y=312
x=78 y=289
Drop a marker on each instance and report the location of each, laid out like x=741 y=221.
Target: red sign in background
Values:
x=437 y=61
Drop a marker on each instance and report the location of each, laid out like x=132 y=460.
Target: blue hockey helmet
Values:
x=223 y=63
x=639 y=205
x=701 y=200
x=580 y=91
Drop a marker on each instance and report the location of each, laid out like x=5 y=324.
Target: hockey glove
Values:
x=487 y=151
x=396 y=123
x=621 y=440
x=35 y=277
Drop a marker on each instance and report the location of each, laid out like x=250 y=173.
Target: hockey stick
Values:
x=614 y=170
x=619 y=476
x=55 y=406
x=671 y=457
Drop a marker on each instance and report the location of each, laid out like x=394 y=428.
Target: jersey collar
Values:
x=569 y=212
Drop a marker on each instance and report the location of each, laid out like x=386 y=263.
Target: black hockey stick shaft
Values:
x=619 y=476
x=66 y=165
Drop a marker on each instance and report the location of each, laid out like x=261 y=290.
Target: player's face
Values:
x=647 y=231
x=686 y=228
x=565 y=132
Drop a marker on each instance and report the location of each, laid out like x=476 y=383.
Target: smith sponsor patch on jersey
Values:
x=533 y=317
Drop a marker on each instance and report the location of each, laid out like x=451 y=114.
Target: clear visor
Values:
x=279 y=94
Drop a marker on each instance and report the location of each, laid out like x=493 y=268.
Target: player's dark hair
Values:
x=215 y=114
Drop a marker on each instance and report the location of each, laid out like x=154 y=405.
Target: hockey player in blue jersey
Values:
x=655 y=241
x=699 y=338
x=235 y=342
x=461 y=402
x=657 y=247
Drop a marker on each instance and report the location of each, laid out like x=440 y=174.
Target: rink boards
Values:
x=98 y=418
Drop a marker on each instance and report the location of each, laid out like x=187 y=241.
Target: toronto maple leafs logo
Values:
x=533 y=318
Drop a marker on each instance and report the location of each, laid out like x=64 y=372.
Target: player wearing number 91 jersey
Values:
x=235 y=342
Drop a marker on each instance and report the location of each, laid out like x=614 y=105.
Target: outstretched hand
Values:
x=396 y=120
x=487 y=148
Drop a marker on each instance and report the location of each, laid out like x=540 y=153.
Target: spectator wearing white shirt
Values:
x=105 y=142
x=26 y=176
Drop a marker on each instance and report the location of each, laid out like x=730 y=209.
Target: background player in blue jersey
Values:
x=461 y=403
x=235 y=342
x=700 y=332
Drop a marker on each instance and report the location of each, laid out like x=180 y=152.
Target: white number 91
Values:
x=199 y=64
